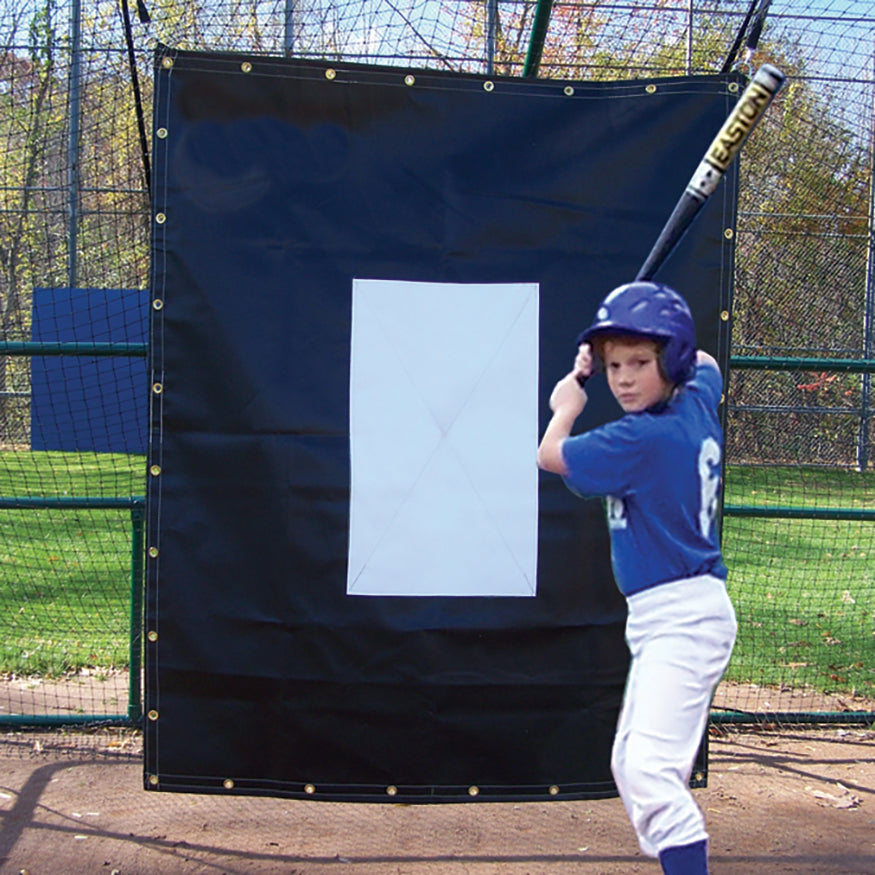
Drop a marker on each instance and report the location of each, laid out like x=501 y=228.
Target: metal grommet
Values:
x=729 y=233
x=330 y=74
x=161 y=133
x=488 y=85
x=155 y=470
x=157 y=388
x=554 y=790
x=153 y=552
x=724 y=315
x=650 y=89
x=699 y=776
x=157 y=304
x=153 y=780
x=473 y=790
x=391 y=790
x=309 y=789
x=167 y=63
x=152 y=636
x=153 y=715
x=228 y=784
x=246 y=67
x=160 y=218
x=410 y=79
x=733 y=87
x=568 y=90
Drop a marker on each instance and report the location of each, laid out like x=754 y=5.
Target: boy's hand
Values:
x=567 y=402
x=703 y=358
x=568 y=397
x=584 y=366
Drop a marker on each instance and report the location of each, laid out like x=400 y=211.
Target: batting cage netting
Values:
x=788 y=251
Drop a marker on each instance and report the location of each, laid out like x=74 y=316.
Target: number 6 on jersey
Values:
x=709 y=484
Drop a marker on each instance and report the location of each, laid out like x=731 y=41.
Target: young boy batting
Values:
x=658 y=470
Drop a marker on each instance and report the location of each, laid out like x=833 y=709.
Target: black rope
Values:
x=142 y=12
x=754 y=37
x=135 y=81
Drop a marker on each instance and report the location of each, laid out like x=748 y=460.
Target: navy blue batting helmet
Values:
x=655 y=311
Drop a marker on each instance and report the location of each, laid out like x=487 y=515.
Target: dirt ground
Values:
x=779 y=800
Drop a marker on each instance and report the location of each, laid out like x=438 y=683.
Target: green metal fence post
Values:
x=138 y=516
x=538 y=37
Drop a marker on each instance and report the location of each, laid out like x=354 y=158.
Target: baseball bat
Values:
x=751 y=106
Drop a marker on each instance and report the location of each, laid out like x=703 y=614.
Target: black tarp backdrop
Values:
x=277 y=182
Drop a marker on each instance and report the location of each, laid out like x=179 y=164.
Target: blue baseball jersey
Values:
x=659 y=473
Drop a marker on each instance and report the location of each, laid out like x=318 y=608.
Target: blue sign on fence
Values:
x=83 y=402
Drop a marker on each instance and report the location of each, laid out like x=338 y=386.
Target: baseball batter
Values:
x=658 y=470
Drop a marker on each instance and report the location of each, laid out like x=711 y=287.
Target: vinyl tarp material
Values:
x=366 y=282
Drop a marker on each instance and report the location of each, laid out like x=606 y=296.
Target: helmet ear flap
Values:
x=677 y=359
x=662 y=358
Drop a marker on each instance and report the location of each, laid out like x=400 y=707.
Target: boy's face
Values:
x=632 y=369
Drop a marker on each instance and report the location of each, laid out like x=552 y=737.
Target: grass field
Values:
x=65 y=574
x=804 y=590
x=799 y=487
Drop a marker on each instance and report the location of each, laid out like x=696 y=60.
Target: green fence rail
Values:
x=786 y=363
x=72 y=347
x=800 y=513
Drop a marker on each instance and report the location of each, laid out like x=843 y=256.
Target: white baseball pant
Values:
x=680 y=635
